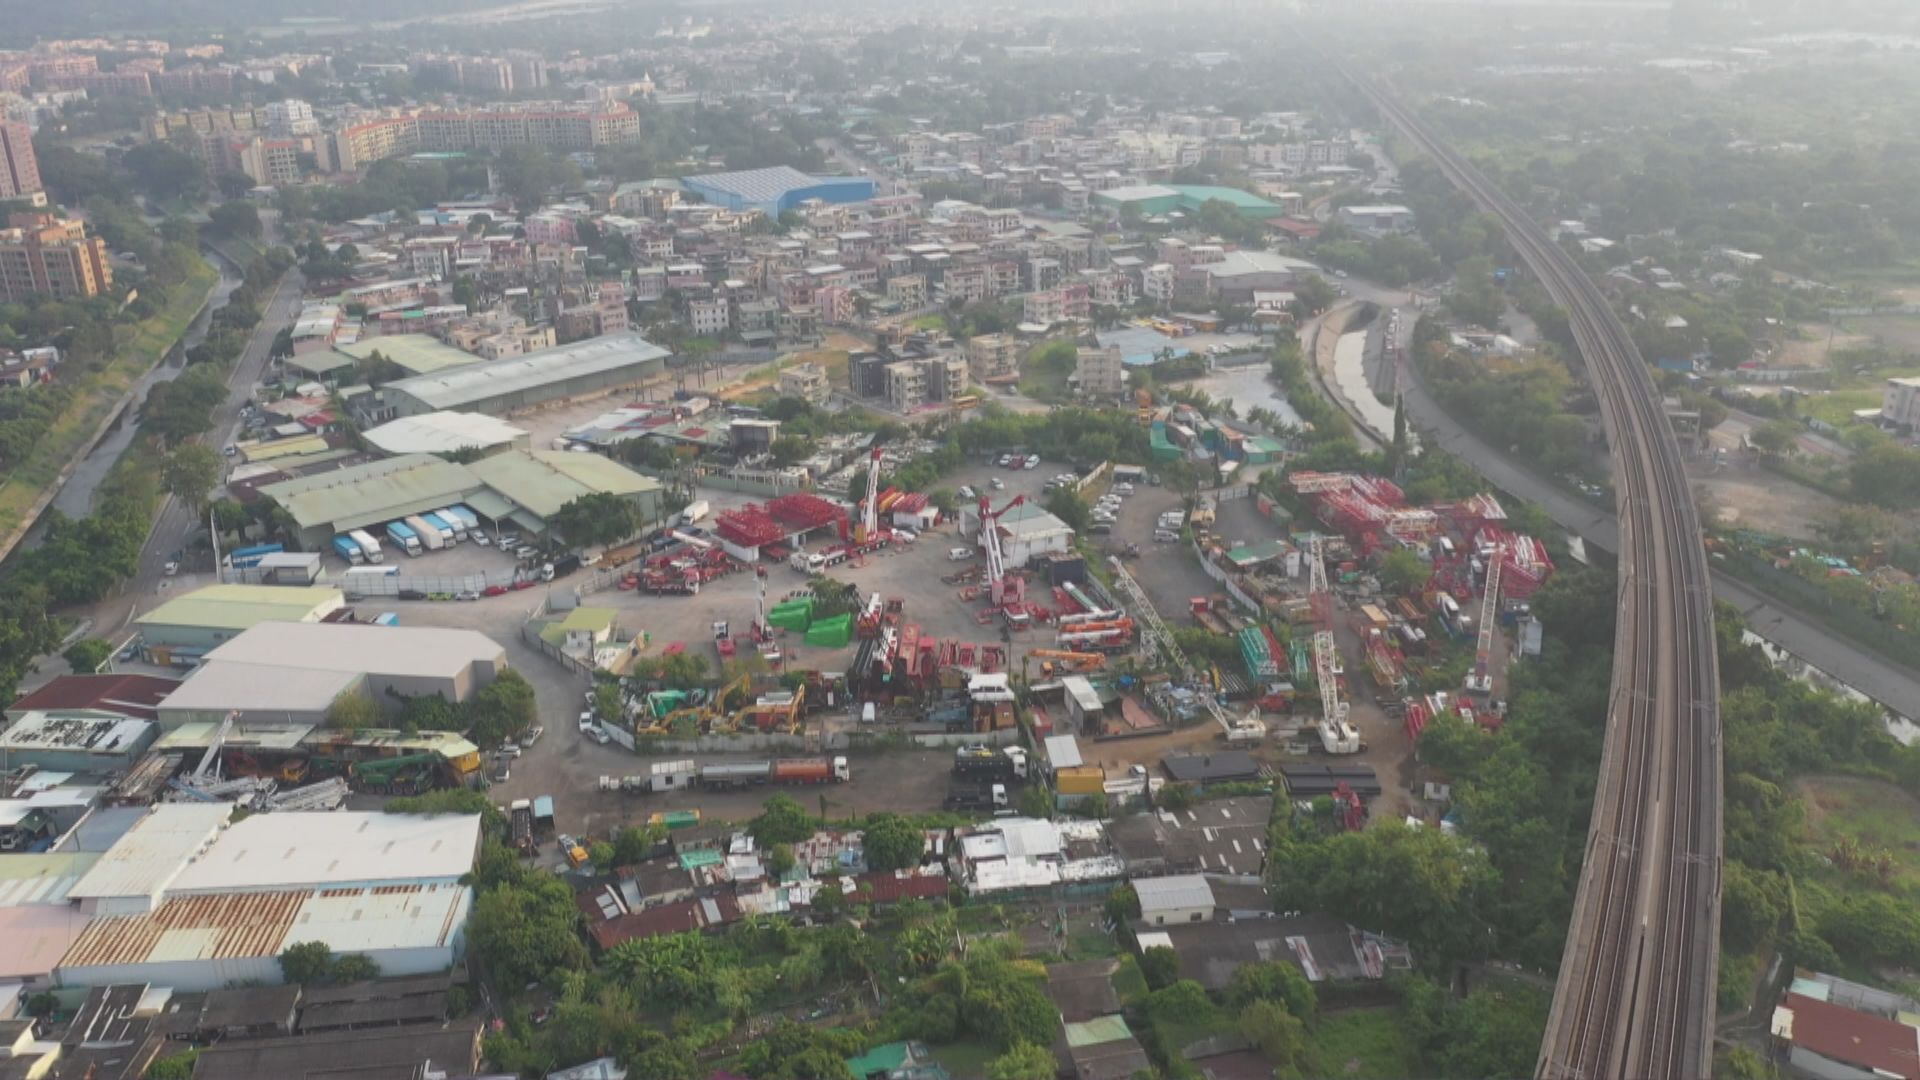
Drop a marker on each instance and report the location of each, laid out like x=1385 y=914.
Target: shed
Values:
x=1180 y=898
x=1217 y=767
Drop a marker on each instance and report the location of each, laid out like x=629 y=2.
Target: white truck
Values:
x=368 y=545
x=695 y=511
x=428 y=533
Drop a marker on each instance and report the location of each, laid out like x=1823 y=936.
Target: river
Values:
x=75 y=498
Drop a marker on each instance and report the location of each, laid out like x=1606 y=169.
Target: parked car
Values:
x=586 y=720
x=480 y=538
x=968 y=493
x=1033 y=461
x=998 y=484
x=600 y=736
x=509 y=749
x=531 y=736
x=502 y=769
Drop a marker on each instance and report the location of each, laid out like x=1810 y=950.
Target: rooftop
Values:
x=151 y=854
x=442 y=433
x=99 y=735
x=355 y=647
x=1083 y=989
x=295 y=850
x=1216 y=767
x=1172 y=893
x=42 y=877
x=389 y=1054
x=455 y=387
x=371 y=492
x=756 y=185
x=131 y=695
x=34 y=938
x=1237 y=263
x=1887 y=1047
x=543 y=481
x=238 y=607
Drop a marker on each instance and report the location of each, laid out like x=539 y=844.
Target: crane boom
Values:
x=1481 y=680
x=1337 y=736
x=870 y=511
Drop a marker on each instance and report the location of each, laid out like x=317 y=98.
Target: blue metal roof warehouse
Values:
x=777 y=189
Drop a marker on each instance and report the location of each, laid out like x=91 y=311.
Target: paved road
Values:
x=1895 y=687
x=176 y=524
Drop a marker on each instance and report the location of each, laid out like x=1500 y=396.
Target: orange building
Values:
x=45 y=255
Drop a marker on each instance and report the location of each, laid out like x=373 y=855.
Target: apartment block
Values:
x=19 y=169
x=908 y=290
x=555 y=125
x=807 y=382
x=912 y=384
x=1099 y=373
x=709 y=316
x=993 y=356
x=45 y=255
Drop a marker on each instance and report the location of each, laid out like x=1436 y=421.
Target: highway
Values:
x=1635 y=991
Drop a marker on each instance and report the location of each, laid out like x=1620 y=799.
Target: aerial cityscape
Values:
x=602 y=539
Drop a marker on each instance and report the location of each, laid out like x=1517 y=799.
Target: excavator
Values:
x=707 y=714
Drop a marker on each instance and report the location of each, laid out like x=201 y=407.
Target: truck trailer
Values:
x=832 y=770
x=522 y=823
x=348 y=550
x=986 y=763
x=368 y=545
x=428 y=534
x=449 y=523
x=976 y=796
x=403 y=537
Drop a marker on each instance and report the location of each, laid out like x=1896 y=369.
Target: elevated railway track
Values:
x=1635 y=992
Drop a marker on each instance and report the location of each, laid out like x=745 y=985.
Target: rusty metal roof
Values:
x=225 y=926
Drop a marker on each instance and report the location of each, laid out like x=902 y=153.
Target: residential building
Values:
x=19 y=169
x=1099 y=372
x=994 y=357
x=1157 y=283
x=1376 y=220
x=45 y=255
x=1901 y=404
x=914 y=383
x=561 y=126
x=909 y=291
x=290 y=117
x=709 y=316
x=807 y=381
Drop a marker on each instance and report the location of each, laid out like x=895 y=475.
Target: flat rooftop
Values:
x=238 y=607
x=101 y=735
x=442 y=433
x=294 y=850
x=151 y=854
x=455 y=387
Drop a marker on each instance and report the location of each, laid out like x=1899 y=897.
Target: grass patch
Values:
x=1128 y=981
x=1367 y=1044
x=139 y=347
x=1043 y=374
x=1877 y=816
x=935 y=322
x=965 y=1060
x=1091 y=945
x=1837 y=407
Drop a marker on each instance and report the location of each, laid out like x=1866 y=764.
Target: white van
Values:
x=959 y=554
x=867 y=714
x=1162 y=536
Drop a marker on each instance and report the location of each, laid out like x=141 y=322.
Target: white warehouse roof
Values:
x=333 y=850
x=1174 y=893
x=489 y=379
x=442 y=433
x=150 y=855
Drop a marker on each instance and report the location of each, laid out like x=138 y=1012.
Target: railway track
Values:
x=1636 y=986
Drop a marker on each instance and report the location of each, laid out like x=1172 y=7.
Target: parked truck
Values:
x=403 y=537
x=663 y=776
x=735 y=774
x=450 y=522
x=368 y=545
x=426 y=533
x=242 y=558
x=522 y=825
x=348 y=550
x=695 y=510
x=976 y=796
x=985 y=763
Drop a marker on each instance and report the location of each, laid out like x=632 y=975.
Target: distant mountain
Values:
x=20 y=22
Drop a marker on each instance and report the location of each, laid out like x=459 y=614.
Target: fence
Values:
x=1853 y=622
x=530 y=633
x=1219 y=574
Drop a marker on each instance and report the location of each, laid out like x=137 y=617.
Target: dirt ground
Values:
x=1745 y=495
x=1811 y=348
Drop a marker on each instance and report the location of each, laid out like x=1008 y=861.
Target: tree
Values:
x=86 y=655
x=235 y=219
x=1776 y=438
x=599 y=519
x=502 y=709
x=191 y=473
x=165 y=172
x=1161 y=966
x=780 y=860
x=352 y=711
x=174 y=1066
x=524 y=930
x=1887 y=474
x=1403 y=571
x=1035 y=802
x=791 y=449
x=1067 y=505
x=1313 y=294
x=1122 y=905
x=1023 y=1061
x=306 y=962
x=1278 y=1034
x=1276 y=981
x=781 y=821
x=353 y=968
x=892 y=842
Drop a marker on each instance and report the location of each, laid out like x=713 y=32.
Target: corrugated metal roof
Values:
x=153 y=851
x=374 y=491
x=543 y=481
x=442 y=433
x=456 y=387
x=1175 y=893
x=420 y=354
x=33 y=939
x=223 y=927
x=335 y=849
x=42 y=878
x=237 y=607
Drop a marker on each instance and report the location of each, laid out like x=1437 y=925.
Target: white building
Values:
x=187 y=900
x=1901 y=405
x=708 y=316
x=1376 y=220
x=1157 y=283
x=1179 y=898
x=1027 y=531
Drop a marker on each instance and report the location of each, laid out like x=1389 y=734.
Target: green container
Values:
x=831 y=633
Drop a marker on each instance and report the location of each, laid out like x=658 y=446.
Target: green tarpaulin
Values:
x=831 y=633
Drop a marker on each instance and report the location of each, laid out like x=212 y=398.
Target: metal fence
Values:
x=1853 y=622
